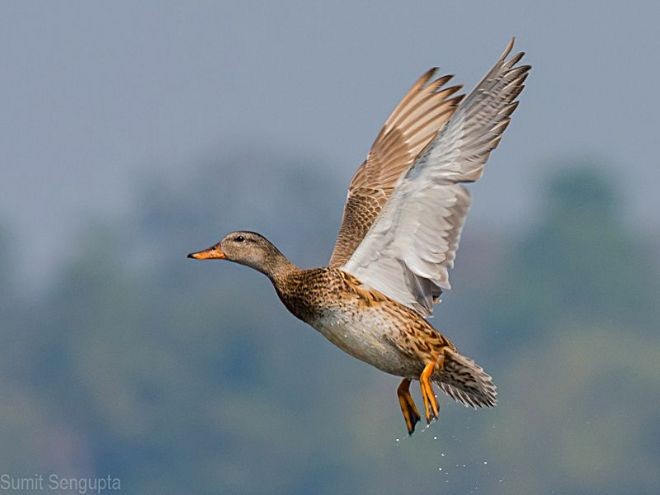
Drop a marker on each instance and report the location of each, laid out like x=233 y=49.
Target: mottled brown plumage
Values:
x=410 y=127
x=399 y=235
x=364 y=323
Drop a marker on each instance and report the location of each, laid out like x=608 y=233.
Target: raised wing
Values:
x=411 y=246
x=412 y=125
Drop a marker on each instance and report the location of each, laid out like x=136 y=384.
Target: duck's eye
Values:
x=239 y=238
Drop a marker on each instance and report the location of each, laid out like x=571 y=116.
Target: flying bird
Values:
x=398 y=238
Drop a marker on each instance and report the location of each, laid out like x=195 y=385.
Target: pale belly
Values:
x=368 y=336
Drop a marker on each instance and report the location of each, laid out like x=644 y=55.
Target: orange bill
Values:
x=212 y=253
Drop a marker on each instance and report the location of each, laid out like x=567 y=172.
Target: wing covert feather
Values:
x=412 y=244
x=414 y=122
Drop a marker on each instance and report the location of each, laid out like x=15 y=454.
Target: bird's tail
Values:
x=466 y=382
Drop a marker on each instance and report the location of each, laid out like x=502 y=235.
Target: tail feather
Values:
x=466 y=382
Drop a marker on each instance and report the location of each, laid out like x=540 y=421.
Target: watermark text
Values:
x=53 y=482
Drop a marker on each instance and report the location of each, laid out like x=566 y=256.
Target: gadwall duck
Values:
x=398 y=238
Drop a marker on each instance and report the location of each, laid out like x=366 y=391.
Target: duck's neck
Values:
x=278 y=268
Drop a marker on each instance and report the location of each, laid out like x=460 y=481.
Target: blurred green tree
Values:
x=181 y=377
x=579 y=263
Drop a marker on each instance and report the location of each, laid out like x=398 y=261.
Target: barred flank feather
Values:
x=466 y=382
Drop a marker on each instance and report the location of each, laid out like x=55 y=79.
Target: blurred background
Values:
x=133 y=133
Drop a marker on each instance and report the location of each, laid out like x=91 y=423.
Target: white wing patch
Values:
x=412 y=244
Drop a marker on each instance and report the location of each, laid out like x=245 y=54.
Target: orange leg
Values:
x=430 y=402
x=408 y=407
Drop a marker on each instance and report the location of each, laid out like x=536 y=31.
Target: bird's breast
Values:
x=366 y=335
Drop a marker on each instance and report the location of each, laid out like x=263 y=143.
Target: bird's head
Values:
x=247 y=248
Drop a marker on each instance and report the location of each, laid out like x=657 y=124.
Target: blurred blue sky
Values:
x=96 y=96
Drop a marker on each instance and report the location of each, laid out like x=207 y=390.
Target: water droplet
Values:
x=397 y=440
x=485 y=462
x=439 y=469
x=435 y=438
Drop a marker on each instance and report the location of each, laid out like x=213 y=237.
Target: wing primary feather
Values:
x=413 y=123
x=408 y=250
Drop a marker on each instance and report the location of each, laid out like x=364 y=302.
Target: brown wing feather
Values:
x=414 y=122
